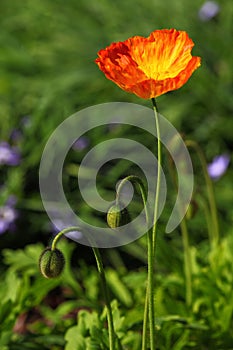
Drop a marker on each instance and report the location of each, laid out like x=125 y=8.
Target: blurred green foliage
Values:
x=47 y=73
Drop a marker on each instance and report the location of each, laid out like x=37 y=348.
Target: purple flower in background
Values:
x=8 y=214
x=11 y=201
x=16 y=135
x=8 y=155
x=26 y=121
x=209 y=10
x=81 y=143
x=218 y=166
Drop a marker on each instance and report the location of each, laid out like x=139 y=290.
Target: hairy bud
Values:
x=51 y=263
x=117 y=217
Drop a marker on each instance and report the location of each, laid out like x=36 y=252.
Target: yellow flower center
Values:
x=160 y=61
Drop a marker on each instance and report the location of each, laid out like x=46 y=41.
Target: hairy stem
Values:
x=106 y=297
x=148 y=300
x=103 y=281
x=152 y=237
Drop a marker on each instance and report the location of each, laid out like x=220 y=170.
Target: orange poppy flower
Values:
x=149 y=67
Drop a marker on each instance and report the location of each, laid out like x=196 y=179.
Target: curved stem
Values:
x=210 y=190
x=135 y=181
x=103 y=280
x=149 y=290
x=61 y=233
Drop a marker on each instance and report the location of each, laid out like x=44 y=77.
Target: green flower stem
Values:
x=159 y=158
x=210 y=190
x=206 y=210
x=187 y=262
x=135 y=181
x=187 y=251
x=152 y=236
x=150 y=289
x=106 y=297
x=149 y=300
x=145 y=323
x=61 y=233
x=103 y=280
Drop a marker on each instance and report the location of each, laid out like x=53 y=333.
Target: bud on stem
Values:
x=51 y=262
x=117 y=216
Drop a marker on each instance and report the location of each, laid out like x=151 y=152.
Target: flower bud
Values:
x=117 y=217
x=51 y=263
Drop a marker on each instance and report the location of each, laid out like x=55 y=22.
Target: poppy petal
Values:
x=149 y=67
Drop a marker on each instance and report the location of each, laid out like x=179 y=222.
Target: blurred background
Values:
x=47 y=73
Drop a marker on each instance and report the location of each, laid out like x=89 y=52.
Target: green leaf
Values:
x=119 y=289
x=5 y=311
x=89 y=333
x=23 y=259
x=74 y=339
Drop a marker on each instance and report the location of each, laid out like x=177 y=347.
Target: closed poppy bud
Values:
x=117 y=217
x=51 y=263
